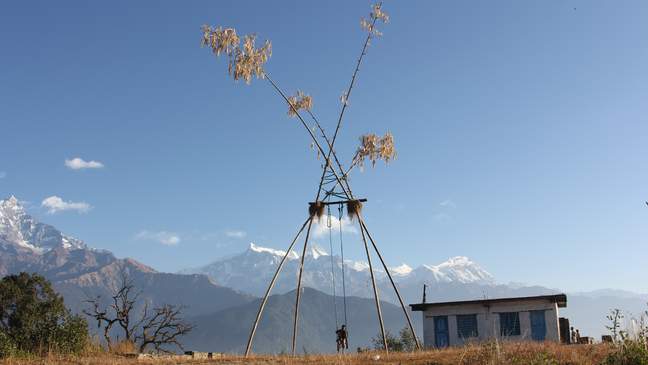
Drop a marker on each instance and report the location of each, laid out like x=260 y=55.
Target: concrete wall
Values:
x=488 y=326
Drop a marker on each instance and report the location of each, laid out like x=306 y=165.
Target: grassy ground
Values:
x=510 y=353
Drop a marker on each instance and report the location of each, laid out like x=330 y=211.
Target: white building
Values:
x=517 y=319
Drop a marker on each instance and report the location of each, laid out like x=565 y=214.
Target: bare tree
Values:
x=101 y=316
x=162 y=327
x=157 y=327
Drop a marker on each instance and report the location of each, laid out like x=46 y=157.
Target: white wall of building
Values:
x=488 y=326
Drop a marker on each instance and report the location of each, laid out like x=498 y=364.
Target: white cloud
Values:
x=321 y=227
x=3 y=174
x=162 y=237
x=78 y=163
x=442 y=218
x=236 y=234
x=55 y=204
x=448 y=204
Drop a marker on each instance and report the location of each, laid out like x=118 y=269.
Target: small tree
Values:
x=393 y=343
x=407 y=339
x=404 y=342
x=629 y=347
x=34 y=319
x=158 y=327
x=615 y=318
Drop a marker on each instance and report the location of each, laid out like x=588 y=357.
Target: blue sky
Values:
x=521 y=130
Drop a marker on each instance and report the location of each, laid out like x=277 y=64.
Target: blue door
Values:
x=441 y=335
x=538 y=325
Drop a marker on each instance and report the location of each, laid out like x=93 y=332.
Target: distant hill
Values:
x=228 y=330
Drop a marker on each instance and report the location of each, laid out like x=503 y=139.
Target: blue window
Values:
x=467 y=325
x=509 y=324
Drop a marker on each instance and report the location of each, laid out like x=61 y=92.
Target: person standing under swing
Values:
x=342 y=339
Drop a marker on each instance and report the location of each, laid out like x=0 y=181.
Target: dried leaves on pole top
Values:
x=246 y=60
x=249 y=60
x=376 y=14
x=375 y=148
x=220 y=40
x=298 y=102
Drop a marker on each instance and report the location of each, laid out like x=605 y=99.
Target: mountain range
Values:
x=221 y=298
x=79 y=272
x=321 y=270
x=454 y=279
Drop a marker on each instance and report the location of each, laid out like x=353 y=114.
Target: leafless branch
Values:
x=158 y=327
x=163 y=327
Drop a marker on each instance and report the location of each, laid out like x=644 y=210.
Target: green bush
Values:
x=404 y=342
x=393 y=342
x=34 y=319
x=628 y=352
x=407 y=339
x=71 y=336
x=629 y=347
x=7 y=346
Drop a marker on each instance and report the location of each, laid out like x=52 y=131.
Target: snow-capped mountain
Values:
x=78 y=271
x=458 y=269
x=19 y=229
x=252 y=270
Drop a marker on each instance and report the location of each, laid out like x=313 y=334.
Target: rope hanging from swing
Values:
x=329 y=224
x=340 y=214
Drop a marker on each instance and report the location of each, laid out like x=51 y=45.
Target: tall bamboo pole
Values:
x=375 y=288
x=299 y=282
x=400 y=299
x=344 y=106
x=327 y=166
x=331 y=143
x=344 y=184
x=314 y=139
x=272 y=283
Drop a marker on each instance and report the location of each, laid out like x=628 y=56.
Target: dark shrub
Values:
x=34 y=319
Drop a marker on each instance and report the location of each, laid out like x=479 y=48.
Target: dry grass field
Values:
x=510 y=353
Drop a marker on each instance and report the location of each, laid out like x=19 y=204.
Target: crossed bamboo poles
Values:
x=341 y=180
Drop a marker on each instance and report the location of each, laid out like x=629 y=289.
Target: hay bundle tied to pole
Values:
x=316 y=209
x=354 y=207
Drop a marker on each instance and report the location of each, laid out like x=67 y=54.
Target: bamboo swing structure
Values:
x=246 y=62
